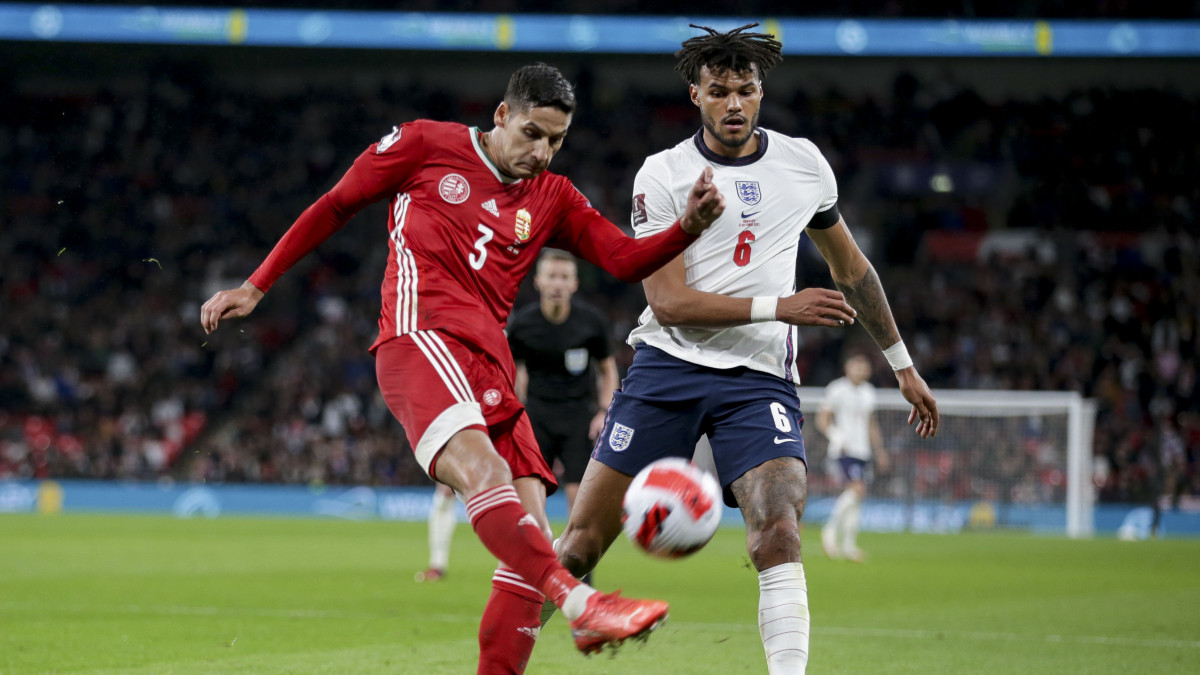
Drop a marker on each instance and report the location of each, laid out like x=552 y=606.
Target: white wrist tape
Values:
x=897 y=356
x=763 y=309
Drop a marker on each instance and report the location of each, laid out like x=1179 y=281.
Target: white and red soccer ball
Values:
x=672 y=508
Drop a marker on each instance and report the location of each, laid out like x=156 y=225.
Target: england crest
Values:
x=748 y=192
x=620 y=437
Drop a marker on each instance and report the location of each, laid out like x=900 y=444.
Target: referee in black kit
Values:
x=566 y=373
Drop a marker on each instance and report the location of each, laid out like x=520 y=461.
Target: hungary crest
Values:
x=524 y=225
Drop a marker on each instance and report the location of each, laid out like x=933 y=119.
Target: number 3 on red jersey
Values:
x=478 y=260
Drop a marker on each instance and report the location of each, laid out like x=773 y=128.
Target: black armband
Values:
x=823 y=220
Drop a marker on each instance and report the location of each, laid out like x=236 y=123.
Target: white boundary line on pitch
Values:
x=265 y=612
x=186 y=610
x=903 y=633
x=974 y=635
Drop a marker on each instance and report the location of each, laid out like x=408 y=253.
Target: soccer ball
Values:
x=672 y=508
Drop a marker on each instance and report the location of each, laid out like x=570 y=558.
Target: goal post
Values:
x=1018 y=460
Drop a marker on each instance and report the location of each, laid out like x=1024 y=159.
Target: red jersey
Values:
x=462 y=235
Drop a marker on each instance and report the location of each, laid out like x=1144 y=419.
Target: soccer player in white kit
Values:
x=715 y=350
x=847 y=418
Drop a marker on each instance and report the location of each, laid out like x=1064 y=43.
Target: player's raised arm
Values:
x=856 y=278
x=368 y=180
x=598 y=241
x=326 y=216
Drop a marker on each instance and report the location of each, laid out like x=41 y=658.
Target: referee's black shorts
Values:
x=561 y=430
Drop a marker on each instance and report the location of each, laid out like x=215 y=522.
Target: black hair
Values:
x=735 y=50
x=537 y=86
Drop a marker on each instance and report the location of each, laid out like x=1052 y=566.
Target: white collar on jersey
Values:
x=487 y=161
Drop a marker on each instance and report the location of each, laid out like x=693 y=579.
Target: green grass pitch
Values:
x=141 y=594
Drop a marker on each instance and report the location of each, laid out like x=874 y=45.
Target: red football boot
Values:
x=611 y=619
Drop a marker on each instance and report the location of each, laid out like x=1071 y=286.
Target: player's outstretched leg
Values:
x=510 y=533
x=597 y=619
x=594 y=521
x=771 y=497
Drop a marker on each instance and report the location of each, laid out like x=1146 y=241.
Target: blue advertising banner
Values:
x=567 y=33
x=413 y=504
x=187 y=500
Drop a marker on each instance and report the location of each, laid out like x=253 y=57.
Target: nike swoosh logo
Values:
x=637 y=614
x=780 y=441
x=751 y=213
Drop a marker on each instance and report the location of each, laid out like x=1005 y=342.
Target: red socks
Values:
x=529 y=571
x=510 y=624
x=513 y=536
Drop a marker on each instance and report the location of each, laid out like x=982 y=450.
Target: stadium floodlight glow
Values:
x=580 y=33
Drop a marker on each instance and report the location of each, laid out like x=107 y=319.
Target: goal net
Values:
x=1001 y=459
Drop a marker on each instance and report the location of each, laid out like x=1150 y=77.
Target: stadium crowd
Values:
x=1025 y=244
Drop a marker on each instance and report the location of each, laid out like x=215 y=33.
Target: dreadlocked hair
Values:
x=735 y=50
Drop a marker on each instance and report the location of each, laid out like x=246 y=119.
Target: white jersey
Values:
x=852 y=406
x=750 y=251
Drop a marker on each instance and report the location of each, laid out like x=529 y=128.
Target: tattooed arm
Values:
x=858 y=282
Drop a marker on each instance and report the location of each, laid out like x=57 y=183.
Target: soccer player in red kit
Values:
x=470 y=211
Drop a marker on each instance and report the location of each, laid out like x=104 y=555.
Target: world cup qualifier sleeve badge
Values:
x=748 y=191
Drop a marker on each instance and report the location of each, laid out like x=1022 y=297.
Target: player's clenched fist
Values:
x=705 y=204
x=231 y=304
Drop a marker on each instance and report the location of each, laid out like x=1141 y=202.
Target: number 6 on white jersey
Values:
x=478 y=260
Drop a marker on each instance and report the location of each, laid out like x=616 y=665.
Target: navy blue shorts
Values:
x=853 y=469
x=665 y=404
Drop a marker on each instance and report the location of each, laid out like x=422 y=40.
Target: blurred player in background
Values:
x=847 y=418
x=566 y=373
x=555 y=343
x=469 y=212
x=716 y=347
x=443 y=518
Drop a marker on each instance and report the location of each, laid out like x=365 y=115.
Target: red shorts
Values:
x=437 y=386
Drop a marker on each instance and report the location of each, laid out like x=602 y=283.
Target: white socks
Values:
x=850 y=520
x=839 y=535
x=576 y=602
x=442 y=519
x=783 y=618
